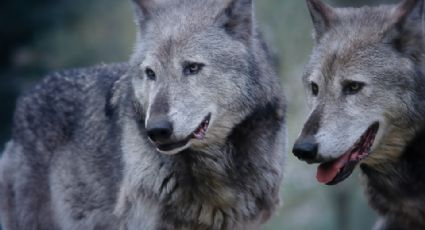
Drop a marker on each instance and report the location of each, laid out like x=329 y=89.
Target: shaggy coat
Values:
x=80 y=156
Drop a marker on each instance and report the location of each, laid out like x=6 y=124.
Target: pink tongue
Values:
x=328 y=171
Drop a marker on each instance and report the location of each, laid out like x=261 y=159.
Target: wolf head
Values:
x=363 y=86
x=191 y=69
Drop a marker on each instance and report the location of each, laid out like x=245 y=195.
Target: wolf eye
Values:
x=150 y=74
x=352 y=88
x=192 y=68
x=314 y=89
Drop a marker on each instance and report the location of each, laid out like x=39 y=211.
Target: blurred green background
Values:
x=39 y=36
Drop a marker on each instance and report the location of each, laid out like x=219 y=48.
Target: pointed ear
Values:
x=142 y=10
x=409 y=11
x=406 y=34
x=237 y=19
x=322 y=15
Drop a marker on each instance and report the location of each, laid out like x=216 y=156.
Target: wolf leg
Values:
x=7 y=173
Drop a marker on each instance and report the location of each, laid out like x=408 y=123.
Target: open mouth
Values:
x=335 y=171
x=201 y=131
x=199 y=134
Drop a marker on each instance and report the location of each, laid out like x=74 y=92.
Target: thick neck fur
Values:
x=397 y=191
x=229 y=186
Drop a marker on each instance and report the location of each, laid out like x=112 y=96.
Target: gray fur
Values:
x=383 y=47
x=80 y=158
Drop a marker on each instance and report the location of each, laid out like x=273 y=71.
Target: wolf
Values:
x=190 y=133
x=365 y=86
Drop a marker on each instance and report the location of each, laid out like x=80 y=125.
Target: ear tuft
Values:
x=322 y=15
x=237 y=19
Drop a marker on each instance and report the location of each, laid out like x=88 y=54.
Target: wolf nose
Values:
x=306 y=149
x=160 y=130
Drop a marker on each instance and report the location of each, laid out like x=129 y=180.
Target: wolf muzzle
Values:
x=306 y=148
x=159 y=130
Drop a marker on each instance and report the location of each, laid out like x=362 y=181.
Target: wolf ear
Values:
x=409 y=11
x=322 y=15
x=237 y=19
x=142 y=10
x=407 y=32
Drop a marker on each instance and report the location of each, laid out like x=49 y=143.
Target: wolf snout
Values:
x=159 y=130
x=305 y=148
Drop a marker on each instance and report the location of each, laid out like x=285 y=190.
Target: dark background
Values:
x=40 y=36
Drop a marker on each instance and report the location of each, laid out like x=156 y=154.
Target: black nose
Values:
x=159 y=130
x=306 y=148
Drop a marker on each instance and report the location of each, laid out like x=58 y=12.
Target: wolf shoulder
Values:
x=62 y=102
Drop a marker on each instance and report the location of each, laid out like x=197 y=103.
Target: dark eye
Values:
x=353 y=87
x=314 y=89
x=150 y=74
x=192 y=68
